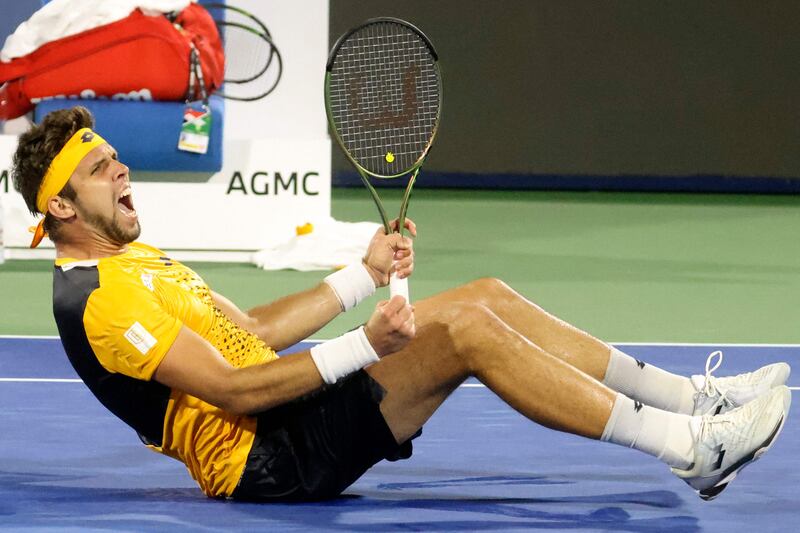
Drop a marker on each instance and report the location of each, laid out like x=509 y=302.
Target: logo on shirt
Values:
x=147 y=279
x=141 y=339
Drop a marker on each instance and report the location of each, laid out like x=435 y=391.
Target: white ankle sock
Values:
x=667 y=436
x=649 y=384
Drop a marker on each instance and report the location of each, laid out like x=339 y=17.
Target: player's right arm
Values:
x=296 y=317
x=194 y=366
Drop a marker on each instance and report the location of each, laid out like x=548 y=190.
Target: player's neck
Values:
x=90 y=248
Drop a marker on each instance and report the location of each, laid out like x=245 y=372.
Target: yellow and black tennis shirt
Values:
x=118 y=317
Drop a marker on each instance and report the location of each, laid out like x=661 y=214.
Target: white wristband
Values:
x=351 y=285
x=343 y=355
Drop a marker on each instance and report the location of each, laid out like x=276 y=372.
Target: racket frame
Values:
x=261 y=32
x=365 y=174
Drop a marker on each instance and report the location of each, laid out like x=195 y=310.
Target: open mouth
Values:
x=125 y=203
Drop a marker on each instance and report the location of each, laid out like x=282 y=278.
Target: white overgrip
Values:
x=399 y=286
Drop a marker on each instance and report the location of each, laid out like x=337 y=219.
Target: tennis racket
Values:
x=383 y=96
x=253 y=64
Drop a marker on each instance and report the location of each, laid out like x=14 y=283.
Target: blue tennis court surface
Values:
x=67 y=464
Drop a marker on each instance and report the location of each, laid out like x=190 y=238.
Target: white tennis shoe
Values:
x=729 y=442
x=716 y=396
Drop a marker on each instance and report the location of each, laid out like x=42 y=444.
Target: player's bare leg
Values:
x=460 y=340
x=646 y=383
x=556 y=337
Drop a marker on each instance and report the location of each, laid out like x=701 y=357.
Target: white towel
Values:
x=62 y=18
x=331 y=244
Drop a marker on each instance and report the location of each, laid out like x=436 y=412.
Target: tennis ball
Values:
x=389 y=157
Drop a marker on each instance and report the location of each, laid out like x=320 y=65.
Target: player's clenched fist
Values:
x=391 y=326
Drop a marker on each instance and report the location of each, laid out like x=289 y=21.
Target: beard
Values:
x=113 y=229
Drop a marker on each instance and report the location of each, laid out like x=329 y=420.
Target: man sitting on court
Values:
x=199 y=380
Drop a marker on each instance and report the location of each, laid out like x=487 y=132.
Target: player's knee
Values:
x=489 y=290
x=489 y=285
x=471 y=326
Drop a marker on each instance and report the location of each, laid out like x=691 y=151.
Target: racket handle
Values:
x=399 y=286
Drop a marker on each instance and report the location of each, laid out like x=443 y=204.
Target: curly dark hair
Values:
x=36 y=150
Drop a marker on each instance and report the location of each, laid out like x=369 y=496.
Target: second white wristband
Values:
x=343 y=355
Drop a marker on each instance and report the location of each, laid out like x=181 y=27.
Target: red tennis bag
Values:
x=137 y=58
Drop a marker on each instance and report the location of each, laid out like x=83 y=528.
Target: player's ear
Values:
x=61 y=208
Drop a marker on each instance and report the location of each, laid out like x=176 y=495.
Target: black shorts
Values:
x=315 y=447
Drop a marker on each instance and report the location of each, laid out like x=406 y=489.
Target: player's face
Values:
x=104 y=200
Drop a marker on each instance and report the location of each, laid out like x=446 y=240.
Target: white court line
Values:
x=706 y=344
x=481 y=385
x=32 y=337
x=56 y=337
x=39 y=380
x=59 y=380
x=615 y=343
x=463 y=385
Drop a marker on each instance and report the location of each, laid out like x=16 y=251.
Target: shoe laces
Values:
x=711 y=390
x=710 y=387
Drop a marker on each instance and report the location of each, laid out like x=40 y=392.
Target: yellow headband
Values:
x=64 y=164
x=61 y=169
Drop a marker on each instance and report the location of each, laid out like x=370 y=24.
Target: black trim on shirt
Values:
x=140 y=404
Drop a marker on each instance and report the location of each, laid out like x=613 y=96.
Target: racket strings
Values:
x=384 y=97
x=245 y=62
x=400 y=104
x=253 y=64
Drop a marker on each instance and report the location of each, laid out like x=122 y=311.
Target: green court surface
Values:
x=628 y=267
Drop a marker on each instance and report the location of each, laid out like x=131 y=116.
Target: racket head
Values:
x=383 y=96
x=236 y=37
x=253 y=64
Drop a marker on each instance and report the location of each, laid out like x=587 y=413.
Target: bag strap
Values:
x=197 y=84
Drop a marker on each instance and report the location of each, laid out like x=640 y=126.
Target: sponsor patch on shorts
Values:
x=141 y=339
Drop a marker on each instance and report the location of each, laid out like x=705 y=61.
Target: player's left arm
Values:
x=293 y=318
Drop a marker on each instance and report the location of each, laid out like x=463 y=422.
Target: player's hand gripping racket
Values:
x=383 y=95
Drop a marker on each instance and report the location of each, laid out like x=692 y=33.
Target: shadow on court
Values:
x=47 y=501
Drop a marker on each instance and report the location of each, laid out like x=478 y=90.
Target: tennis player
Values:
x=199 y=380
